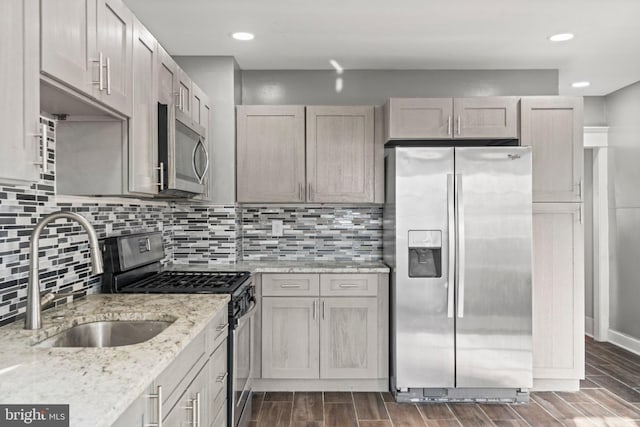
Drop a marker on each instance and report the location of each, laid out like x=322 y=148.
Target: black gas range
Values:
x=132 y=265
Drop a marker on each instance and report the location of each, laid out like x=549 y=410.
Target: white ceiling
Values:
x=411 y=34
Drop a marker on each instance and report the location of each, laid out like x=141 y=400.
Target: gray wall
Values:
x=595 y=113
x=588 y=233
x=623 y=115
x=217 y=77
x=375 y=86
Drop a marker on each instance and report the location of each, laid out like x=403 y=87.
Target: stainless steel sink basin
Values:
x=107 y=334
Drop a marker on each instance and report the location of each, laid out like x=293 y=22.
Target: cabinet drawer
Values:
x=217 y=330
x=348 y=284
x=290 y=284
x=179 y=374
x=219 y=369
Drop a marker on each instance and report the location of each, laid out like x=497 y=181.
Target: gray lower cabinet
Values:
x=192 y=388
x=329 y=327
x=20 y=106
x=558 y=292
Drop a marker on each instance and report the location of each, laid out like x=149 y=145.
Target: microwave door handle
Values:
x=206 y=156
x=199 y=177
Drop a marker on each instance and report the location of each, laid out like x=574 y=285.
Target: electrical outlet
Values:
x=276 y=228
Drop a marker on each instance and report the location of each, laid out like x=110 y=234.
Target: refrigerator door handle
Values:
x=460 y=246
x=451 y=216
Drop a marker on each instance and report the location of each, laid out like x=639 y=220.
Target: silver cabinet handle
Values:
x=222 y=327
x=459 y=126
x=310 y=192
x=100 y=81
x=157 y=395
x=198 y=408
x=160 y=169
x=108 y=76
x=581 y=214
x=194 y=411
x=301 y=192
x=580 y=184
x=348 y=285
x=222 y=378
x=323 y=306
x=44 y=147
x=461 y=249
x=290 y=285
x=449 y=126
x=314 y=309
x=451 y=216
x=181 y=98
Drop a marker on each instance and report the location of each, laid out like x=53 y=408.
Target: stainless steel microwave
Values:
x=183 y=158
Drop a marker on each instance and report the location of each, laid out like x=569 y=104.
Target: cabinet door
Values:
x=167 y=78
x=197 y=101
x=349 y=338
x=486 y=117
x=68 y=42
x=290 y=328
x=270 y=150
x=419 y=118
x=140 y=413
x=552 y=126
x=19 y=90
x=191 y=405
x=340 y=145
x=115 y=30
x=558 y=291
x=185 y=92
x=143 y=147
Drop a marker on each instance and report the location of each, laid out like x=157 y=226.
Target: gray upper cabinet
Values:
x=115 y=30
x=340 y=150
x=185 y=94
x=167 y=78
x=143 y=146
x=552 y=126
x=339 y=164
x=20 y=107
x=270 y=154
x=86 y=44
x=419 y=118
x=69 y=42
x=446 y=118
x=486 y=117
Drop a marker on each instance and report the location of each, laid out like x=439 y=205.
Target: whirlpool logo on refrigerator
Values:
x=34 y=415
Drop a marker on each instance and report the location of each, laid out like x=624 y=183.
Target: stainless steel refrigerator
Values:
x=457 y=236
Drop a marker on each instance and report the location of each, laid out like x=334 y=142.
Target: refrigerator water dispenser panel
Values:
x=425 y=253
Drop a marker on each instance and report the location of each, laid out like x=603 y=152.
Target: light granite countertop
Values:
x=287 y=267
x=99 y=383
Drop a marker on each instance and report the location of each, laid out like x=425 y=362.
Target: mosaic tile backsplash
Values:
x=327 y=233
x=193 y=233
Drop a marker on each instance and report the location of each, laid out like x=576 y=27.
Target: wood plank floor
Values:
x=609 y=396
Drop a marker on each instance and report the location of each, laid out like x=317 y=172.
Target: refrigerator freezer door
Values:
x=423 y=322
x=493 y=306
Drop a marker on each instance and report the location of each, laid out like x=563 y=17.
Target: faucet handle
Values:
x=46 y=298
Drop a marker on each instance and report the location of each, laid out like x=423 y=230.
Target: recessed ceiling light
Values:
x=242 y=36
x=580 y=84
x=563 y=37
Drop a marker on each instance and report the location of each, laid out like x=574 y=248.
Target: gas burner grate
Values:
x=189 y=282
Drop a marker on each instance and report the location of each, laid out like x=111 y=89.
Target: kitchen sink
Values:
x=113 y=333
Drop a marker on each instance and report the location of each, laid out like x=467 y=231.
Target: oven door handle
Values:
x=250 y=311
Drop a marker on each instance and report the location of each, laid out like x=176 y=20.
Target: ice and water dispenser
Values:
x=425 y=253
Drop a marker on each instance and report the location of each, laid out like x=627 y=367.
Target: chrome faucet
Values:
x=33 y=319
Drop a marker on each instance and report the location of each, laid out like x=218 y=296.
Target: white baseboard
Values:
x=555 y=385
x=588 y=326
x=625 y=341
x=262 y=384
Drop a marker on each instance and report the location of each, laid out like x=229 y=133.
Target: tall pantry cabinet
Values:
x=552 y=127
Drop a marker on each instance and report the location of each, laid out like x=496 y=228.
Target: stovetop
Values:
x=189 y=282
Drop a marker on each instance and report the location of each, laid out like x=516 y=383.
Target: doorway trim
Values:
x=596 y=140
